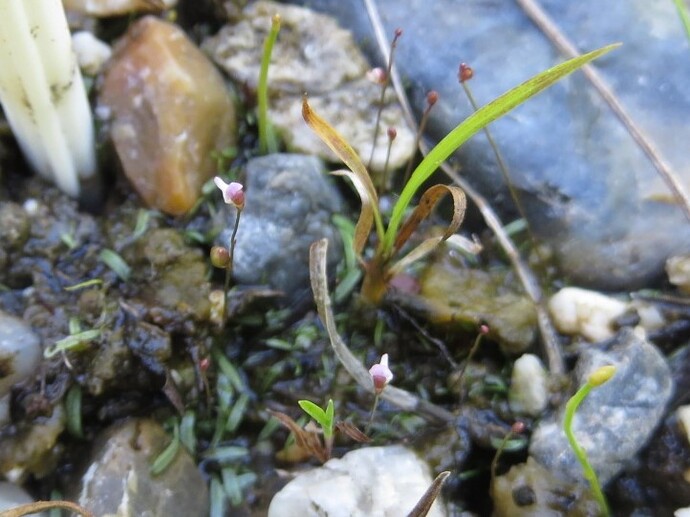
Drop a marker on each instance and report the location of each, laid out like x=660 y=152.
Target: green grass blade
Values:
x=267 y=138
x=474 y=123
x=684 y=16
x=314 y=411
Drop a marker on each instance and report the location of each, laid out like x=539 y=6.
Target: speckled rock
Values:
x=617 y=419
x=456 y=297
x=587 y=188
x=369 y=482
x=314 y=56
x=119 y=482
x=529 y=489
x=289 y=204
x=169 y=110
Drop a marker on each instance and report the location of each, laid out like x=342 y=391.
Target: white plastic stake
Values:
x=42 y=92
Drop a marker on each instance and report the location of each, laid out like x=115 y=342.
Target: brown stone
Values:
x=169 y=111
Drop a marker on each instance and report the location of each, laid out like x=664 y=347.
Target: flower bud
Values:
x=220 y=257
x=432 y=97
x=381 y=374
x=465 y=72
x=392 y=133
x=601 y=375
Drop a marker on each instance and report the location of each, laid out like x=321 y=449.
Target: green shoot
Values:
x=471 y=125
x=684 y=16
x=267 y=138
x=379 y=269
x=73 y=410
x=73 y=342
x=165 y=458
x=324 y=418
x=116 y=263
x=597 y=378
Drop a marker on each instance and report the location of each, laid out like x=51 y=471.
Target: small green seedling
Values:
x=268 y=143
x=380 y=268
x=325 y=419
x=309 y=440
x=597 y=378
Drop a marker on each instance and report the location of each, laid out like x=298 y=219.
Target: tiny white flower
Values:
x=233 y=193
x=381 y=374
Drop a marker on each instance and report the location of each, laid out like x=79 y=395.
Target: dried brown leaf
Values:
x=352 y=431
x=427 y=203
x=343 y=150
x=424 y=505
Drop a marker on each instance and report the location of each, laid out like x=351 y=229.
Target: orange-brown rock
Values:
x=169 y=110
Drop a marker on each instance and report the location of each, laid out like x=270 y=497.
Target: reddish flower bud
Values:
x=432 y=97
x=465 y=72
x=381 y=374
x=518 y=427
x=398 y=32
x=392 y=133
x=220 y=257
x=484 y=329
x=377 y=75
x=204 y=364
x=233 y=193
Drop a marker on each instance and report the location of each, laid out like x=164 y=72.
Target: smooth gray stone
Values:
x=118 y=480
x=617 y=418
x=289 y=204
x=587 y=188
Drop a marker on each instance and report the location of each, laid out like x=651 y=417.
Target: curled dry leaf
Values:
x=426 y=205
x=343 y=150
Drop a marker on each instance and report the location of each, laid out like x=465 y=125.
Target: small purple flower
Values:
x=381 y=374
x=233 y=193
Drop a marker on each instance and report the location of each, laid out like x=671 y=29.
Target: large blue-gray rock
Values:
x=617 y=418
x=586 y=186
x=289 y=204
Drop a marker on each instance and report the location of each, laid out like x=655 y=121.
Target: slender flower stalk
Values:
x=392 y=133
x=384 y=86
x=381 y=375
x=233 y=194
x=42 y=92
x=431 y=99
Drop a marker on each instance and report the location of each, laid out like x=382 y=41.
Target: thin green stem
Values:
x=267 y=139
x=504 y=171
x=373 y=413
x=580 y=453
x=228 y=270
x=383 y=97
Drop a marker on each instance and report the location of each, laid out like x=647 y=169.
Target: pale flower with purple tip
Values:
x=233 y=192
x=381 y=374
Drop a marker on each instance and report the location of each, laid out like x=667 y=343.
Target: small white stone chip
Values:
x=529 y=393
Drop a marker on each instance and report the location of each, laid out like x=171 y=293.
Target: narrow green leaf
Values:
x=330 y=416
x=73 y=410
x=74 y=343
x=187 y=431
x=82 y=285
x=116 y=263
x=314 y=411
x=168 y=455
x=267 y=138
x=684 y=16
x=471 y=125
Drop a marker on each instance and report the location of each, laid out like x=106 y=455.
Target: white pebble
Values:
x=529 y=393
x=587 y=313
x=91 y=52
